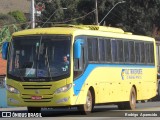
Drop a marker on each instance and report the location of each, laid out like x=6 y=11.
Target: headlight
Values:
x=12 y=89
x=63 y=89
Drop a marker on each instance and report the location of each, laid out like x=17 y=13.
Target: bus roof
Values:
x=93 y=30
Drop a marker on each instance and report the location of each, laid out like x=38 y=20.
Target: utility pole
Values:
x=32 y=14
x=96 y=13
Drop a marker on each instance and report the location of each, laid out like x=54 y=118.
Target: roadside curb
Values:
x=13 y=109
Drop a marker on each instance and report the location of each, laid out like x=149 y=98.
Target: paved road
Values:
x=100 y=113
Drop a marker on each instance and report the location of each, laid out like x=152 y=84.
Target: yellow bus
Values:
x=79 y=65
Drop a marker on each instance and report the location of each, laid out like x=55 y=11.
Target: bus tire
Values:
x=131 y=104
x=34 y=109
x=88 y=107
x=158 y=95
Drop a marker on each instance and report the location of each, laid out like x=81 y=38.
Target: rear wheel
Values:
x=131 y=104
x=88 y=107
x=34 y=109
x=158 y=95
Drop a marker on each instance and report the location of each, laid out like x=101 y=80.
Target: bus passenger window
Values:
x=152 y=52
x=137 y=52
x=147 y=53
x=126 y=51
x=120 y=50
x=142 y=54
x=131 y=52
x=89 y=41
x=108 y=50
x=158 y=54
x=92 y=49
x=114 y=51
x=102 y=50
x=95 y=49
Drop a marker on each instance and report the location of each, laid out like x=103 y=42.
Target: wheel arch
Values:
x=135 y=89
x=93 y=93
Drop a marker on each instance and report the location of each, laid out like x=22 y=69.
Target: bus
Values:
x=105 y=65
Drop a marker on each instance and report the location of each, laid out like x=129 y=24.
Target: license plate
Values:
x=36 y=97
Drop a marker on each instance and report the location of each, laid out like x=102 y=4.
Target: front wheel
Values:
x=88 y=106
x=34 y=109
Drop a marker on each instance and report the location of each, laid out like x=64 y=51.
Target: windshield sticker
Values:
x=131 y=74
x=41 y=73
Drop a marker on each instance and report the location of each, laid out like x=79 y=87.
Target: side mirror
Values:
x=5 y=50
x=77 y=48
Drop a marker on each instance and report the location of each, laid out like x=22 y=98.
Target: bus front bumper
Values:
x=38 y=100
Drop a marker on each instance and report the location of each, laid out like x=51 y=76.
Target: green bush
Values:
x=19 y=16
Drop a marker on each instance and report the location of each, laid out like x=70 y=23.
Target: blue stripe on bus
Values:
x=80 y=81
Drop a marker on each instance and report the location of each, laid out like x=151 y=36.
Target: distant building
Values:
x=13 y=5
x=3 y=98
x=3 y=66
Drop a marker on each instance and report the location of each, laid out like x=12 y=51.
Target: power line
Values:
x=73 y=18
x=119 y=11
x=29 y=22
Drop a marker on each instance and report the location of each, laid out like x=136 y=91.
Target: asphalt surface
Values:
x=146 y=111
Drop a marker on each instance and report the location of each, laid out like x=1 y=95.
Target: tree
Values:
x=6 y=19
x=52 y=8
x=137 y=16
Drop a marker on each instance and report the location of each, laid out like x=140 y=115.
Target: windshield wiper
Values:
x=48 y=64
x=38 y=55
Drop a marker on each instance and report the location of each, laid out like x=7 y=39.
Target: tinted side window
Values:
x=92 y=49
x=114 y=51
x=120 y=50
x=108 y=50
x=159 y=54
x=131 y=51
x=152 y=52
x=142 y=53
x=147 y=53
x=95 y=49
x=137 y=52
x=102 y=49
x=89 y=42
x=126 y=51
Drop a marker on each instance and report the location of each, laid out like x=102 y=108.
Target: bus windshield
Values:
x=39 y=57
